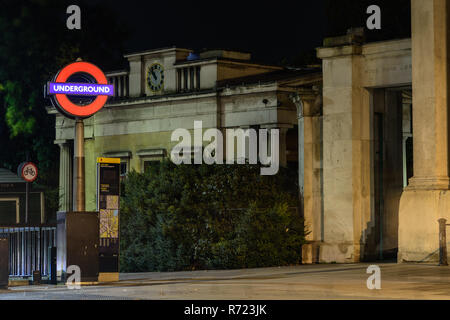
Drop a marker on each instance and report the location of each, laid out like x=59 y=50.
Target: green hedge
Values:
x=192 y=217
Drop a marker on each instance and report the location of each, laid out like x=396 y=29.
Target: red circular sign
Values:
x=29 y=172
x=68 y=106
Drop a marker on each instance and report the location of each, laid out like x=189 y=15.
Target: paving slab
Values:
x=308 y=282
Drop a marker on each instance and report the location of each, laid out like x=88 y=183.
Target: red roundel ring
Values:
x=23 y=173
x=67 y=105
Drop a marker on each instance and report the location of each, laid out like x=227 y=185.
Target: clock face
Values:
x=155 y=77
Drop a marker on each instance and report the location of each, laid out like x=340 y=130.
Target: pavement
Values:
x=308 y=282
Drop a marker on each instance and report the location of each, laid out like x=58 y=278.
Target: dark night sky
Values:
x=270 y=30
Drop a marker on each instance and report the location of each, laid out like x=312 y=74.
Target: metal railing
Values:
x=29 y=249
x=120 y=80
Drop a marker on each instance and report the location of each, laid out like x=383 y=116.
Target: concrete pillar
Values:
x=65 y=177
x=182 y=86
x=135 y=76
x=430 y=94
x=127 y=85
x=189 y=80
x=119 y=86
x=194 y=70
x=346 y=153
x=143 y=78
x=309 y=111
x=427 y=198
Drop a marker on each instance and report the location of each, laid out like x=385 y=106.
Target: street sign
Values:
x=108 y=195
x=28 y=171
x=83 y=80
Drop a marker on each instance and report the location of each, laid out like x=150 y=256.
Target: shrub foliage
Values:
x=192 y=217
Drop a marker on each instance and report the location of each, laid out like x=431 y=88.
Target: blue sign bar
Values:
x=83 y=89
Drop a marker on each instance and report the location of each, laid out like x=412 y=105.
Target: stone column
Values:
x=65 y=177
x=116 y=87
x=189 y=79
x=136 y=73
x=427 y=198
x=143 y=78
x=309 y=109
x=182 y=86
x=119 y=86
x=430 y=94
x=195 y=77
x=346 y=151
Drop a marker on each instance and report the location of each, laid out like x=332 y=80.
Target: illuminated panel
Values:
x=68 y=107
x=84 y=89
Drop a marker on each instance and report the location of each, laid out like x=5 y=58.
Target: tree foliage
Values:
x=34 y=45
x=209 y=217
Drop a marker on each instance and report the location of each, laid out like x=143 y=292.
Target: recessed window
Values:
x=150 y=157
x=125 y=157
x=9 y=209
x=123 y=168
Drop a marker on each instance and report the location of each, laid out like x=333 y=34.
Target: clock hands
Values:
x=154 y=75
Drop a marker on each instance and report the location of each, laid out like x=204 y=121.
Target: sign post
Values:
x=29 y=172
x=79 y=169
x=78 y=91
x=79 y=100
x=108 y=195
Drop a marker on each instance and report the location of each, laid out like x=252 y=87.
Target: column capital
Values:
x=428 y=183
x=61 y=142
x=430 y=94
x=308 y=102
x=281 y=126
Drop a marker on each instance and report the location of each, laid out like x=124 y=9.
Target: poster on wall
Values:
x=108 y=195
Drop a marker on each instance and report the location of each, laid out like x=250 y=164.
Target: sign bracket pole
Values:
x=27 y=193
x=79 y=168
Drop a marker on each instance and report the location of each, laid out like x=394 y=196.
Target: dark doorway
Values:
x=388 y=172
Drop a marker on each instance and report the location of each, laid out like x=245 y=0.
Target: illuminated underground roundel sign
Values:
x=79 y=90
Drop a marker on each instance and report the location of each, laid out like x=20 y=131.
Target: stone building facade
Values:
x=167 y=89
x=369 y=132
x=385 y=145
x=365 y=125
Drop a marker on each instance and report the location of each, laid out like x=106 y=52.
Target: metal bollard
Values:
x=4 y=262
x=442 y=242
x=37 y=277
